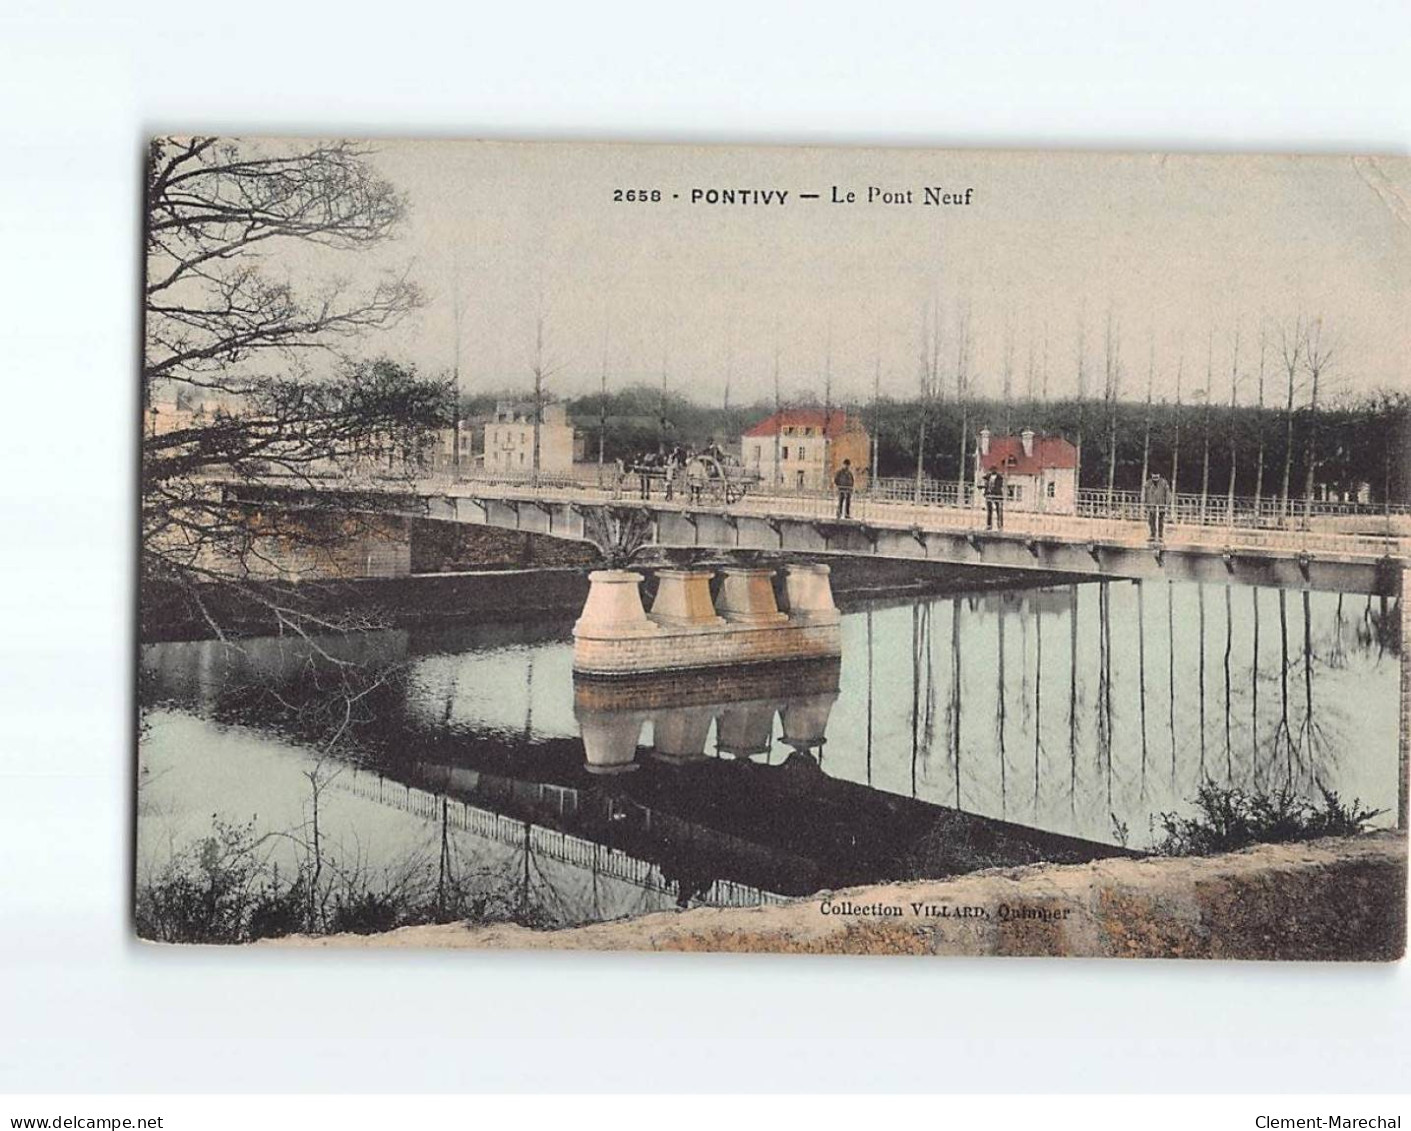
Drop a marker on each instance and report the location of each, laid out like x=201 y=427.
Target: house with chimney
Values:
x=509 y=440
x=801 y=449
x=1040 y=472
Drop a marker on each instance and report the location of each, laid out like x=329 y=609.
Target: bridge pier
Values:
x=614 y=604
x=747 y=596
x=614 y=637
x=808 y=592
x=683 y=598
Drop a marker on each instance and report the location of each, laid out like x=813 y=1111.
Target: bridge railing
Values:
x=1118 y=517
x=1191 y=508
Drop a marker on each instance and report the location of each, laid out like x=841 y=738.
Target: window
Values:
x=1052 y=488
x=801 y=452
x=785 y=451
x=521 y=459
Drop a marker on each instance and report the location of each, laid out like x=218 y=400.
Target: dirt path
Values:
x=1329 y=899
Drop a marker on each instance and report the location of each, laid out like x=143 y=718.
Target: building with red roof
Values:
x=1040 y=473
x=803 y=448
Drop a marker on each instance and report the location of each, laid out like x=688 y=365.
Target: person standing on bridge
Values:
x=672 y=467
x=696 y=472
x=993 y=484
x=1156 y=499
x=844 y=482
x=646 y=463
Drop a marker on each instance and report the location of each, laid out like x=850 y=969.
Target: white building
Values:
x=509 y=441
x=1040 y=472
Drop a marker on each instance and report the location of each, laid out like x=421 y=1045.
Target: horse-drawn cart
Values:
x=710 y=478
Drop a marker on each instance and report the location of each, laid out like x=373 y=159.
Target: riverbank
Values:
x=1333 y=899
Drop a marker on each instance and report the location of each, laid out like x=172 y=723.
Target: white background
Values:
x=84 y=1008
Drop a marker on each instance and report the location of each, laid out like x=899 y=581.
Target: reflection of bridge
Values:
x=527 y=836
x=728 y=801
x=1346 y=553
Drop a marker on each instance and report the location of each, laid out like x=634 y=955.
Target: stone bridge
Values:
x=1358 y=555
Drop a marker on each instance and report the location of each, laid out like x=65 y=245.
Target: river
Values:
x=1054 y=723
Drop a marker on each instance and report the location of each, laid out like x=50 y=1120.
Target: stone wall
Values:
x=446 y=547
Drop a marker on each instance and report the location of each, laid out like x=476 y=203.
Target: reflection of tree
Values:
x=1038 y=691
x=923 y=688
x=1312 y=740
x=1283 y=735
x=999 y=714
x=869 y=696
x=955 y=653
x=1254 y=687
x=1104 y=687
x=1072 y=693
x=1171 y=669
x=1229 y=641
x=1200 y=618
x=1141 y=673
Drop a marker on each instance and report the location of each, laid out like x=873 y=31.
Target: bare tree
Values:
x=1007 y=374
x=1291 y=345
x=729 y=360
x=778 y=417
x=1112 y=387
x=1176 y=427
x=458 y=304
x=1150 y=385
x=1043 y=380
x=1082 y=390
x=221 y=326
x=214 y=209
x=603 y=399
x=1259 y=420
x=929 y=375
x=540 y=372
x=876 y=402
x=827 y=403
x=1234 y=448
x=1318 y=356
x=1031 y=375
x=661 y=396
x=963 y=347
x=1205 y=423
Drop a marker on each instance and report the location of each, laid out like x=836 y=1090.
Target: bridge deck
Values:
x=1365 y=554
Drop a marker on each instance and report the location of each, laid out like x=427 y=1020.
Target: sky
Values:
x=1180 y=253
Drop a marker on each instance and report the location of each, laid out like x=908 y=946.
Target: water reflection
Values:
x=730 y=714
x=1049 y=723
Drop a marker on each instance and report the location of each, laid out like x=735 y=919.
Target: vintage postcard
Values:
x=810 y=550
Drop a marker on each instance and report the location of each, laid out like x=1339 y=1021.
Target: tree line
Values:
x=1358 y=445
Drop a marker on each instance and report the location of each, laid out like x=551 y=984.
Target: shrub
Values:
x=225 y=889
x=1228 y=818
